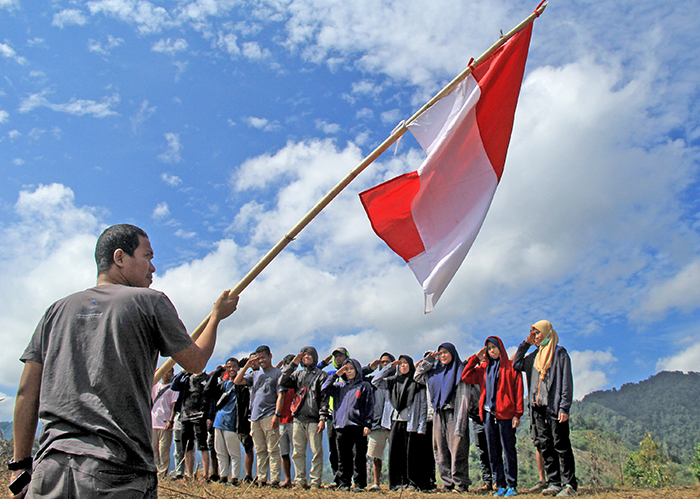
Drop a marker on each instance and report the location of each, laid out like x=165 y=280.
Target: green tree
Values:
x=695 y=463
x=649 y=466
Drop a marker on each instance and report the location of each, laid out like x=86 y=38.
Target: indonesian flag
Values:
x=431 y=217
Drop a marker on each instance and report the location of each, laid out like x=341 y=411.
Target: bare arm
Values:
x=195 y=357
x=26 y=412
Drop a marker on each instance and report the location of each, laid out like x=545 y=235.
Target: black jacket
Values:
x=560 y=387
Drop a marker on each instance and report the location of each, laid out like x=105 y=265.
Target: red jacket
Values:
x=509 y=393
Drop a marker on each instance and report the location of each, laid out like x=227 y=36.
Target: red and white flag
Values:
x=431 y=217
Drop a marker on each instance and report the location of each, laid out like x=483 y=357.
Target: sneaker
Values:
x=501 y=492
x=539 y=486
x=567 y=491
x=234 y=481
x=249 y=479
x=374 y=487
x=551 y=490
x=511 y=492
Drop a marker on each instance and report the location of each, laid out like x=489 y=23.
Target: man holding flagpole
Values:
x=96 y=433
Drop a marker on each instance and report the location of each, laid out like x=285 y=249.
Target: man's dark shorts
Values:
x=247 y=441
x=192 y=430
x=67 y=476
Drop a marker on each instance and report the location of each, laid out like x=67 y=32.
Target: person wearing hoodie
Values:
x=441 y=371
x=409 y=421
x=381 y=422
x=310 y=411
x=501 y=407
x=352 y=420
x=337 y=358
x=551 y=391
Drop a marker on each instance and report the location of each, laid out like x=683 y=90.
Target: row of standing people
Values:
x=420 y=410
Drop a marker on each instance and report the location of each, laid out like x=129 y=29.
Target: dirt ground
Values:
x=179 y=489
x=170 y=489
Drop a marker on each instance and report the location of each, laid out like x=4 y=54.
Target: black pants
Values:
x=332 y=435
x=408 y=453
x=352 y=457
x=552 y=439
x=482 y=450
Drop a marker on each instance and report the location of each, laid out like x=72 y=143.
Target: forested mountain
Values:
x=667 y=405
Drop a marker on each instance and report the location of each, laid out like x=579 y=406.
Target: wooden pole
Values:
x=396 y=134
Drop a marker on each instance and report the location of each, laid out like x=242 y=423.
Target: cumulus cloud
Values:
x=327 y=128
x=686 y=360
x=160 y=212
x=9 y=53
x=262 y=124
x=4 y=116
x=69 y=17
x=590 y=370
x=174 y=148
x=106 y=47
x=170 y=46
x=77 y=107
x=47 y=252
x=171 y=180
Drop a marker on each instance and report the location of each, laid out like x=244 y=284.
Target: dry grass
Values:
x=170 y=489
x=184 y=490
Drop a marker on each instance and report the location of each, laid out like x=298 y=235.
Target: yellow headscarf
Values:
x=545 y=355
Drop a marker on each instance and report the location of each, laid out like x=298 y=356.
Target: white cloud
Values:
x=46 y=252
x=172 y=153
x=327 y=128
x=262 y=124
x=77 y=107
x=106 y=48
x=171 y=180
x=69 y=17
x=9 y=53
x=681 y=291
x=160 y=212
x=686 y=360
x=14 y=134
x=589 y=370
x=9 y=4
x=227 y=42
x=169 y=46
x=185 y=234
x=145 y=112
x=253 y=50
x=147 y=17
x=4 y=116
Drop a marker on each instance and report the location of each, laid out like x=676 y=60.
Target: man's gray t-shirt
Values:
x=263 y=392
x=99 y=349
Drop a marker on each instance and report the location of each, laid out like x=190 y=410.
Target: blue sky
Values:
x=216 y=124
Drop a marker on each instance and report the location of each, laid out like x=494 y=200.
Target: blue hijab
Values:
x=445 y=378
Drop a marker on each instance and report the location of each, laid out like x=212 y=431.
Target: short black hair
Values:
x=288 y=359
x=122 y=236
x=263 y=349
x=232 y=359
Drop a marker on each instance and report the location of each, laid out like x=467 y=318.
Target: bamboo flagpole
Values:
x=333 y=193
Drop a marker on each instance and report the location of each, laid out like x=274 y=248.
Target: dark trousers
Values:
x=427 y=458
x=333 y=451
x=500 y=437
x=552 y=439
x=407 y=464
x=482 y=450
x=352 y=457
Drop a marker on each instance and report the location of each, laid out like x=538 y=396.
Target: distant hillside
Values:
x=665 y=405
